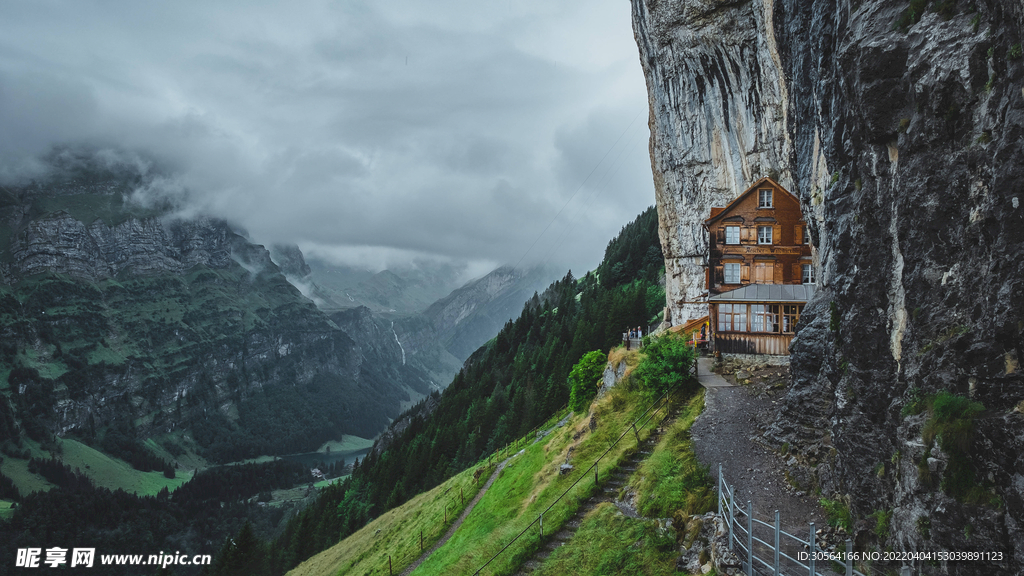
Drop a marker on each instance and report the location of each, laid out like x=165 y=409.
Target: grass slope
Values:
x=5 y=510
x=672 y=480
x=26 y=482
x=532 y=483
x=397 y=532
x=610 y=543
x=112 y=473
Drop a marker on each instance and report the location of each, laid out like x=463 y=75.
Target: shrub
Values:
x=667 y=365
x=882 y=521
x=838 y=513
x=1015 y=52
x=583 y=379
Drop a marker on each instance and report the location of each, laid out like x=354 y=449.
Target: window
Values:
x=807 y=236
x=732 y=273
x=732 y=234
x=808 y=273
x=764 y=234
x=764 y=198
x=790 y=317
x=764 y=317
x=732 y=317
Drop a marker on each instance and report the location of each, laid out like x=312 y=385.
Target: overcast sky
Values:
x=374 y=131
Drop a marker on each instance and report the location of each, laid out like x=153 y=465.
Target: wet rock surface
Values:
x=900 y=128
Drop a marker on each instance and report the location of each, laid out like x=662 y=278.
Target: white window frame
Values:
x=807 y=274
x=732 y=235
x=764 y=198
x=732 y=317
x=807 y=235
x=764 y=234
x=726 y=276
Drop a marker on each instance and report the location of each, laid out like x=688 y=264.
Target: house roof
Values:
x=718 y=213
x=767 y=293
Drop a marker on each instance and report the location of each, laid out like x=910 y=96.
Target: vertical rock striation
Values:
x=717 y=122
x=899 y=125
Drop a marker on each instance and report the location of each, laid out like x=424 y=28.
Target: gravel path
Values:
x=728 y=432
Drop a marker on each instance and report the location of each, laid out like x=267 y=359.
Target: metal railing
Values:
x=742 y=541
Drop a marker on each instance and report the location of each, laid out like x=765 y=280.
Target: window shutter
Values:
x=720 y=235
x=747 y=235
x=798 y=235
x=777 y=273
x=797 y=276
x=777 y=234
x=719 y=275
x=745 y=272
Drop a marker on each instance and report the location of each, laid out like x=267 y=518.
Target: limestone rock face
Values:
x=901 y=133
x=717 y=120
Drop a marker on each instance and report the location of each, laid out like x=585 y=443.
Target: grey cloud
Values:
x=400 y=130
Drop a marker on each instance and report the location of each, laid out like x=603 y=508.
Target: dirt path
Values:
x=728 y=432
x=462 y=518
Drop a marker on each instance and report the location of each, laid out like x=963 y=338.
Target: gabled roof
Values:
x=767 y=293
x=718 y=213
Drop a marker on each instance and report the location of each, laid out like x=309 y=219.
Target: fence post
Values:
x=595 y=474
x=720 y=495
x=750 y=538
x=732 y=514
x=849 y=557
x=390 y=571
x=541 y=524
x=462 y=497
x=812 y=547
x=777 y=527
x=421 y=540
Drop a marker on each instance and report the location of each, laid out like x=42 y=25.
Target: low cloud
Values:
x=379 y=133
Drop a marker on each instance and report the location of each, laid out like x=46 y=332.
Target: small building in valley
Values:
x=760 y=270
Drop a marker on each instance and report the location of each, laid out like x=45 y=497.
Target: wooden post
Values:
x=421 y=540
x=390 y=571
x=461 y=496
x=637 y=434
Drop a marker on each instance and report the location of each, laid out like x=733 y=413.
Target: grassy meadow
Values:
x=397 y=532
x=531 y=483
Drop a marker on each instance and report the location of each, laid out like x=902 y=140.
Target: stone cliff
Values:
x=899 y=125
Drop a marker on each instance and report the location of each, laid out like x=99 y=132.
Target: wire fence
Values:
x=394 y=563
x=635 y=426
x=786 y=553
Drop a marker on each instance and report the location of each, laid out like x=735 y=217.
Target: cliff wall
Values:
x=899 y=125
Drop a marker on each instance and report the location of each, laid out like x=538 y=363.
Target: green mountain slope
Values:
x=507 y=387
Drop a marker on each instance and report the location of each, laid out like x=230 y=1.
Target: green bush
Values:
x=583 y=379
x=667 y=365
x=838 y=513
x=882 y=518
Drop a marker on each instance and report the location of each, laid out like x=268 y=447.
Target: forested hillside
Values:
x=507 y=387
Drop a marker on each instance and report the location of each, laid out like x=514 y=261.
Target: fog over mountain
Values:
x=371 y=134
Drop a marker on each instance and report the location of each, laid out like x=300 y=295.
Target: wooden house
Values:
x=760 y=271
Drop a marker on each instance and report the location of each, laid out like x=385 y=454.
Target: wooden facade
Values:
x=759 y=238
x=760 y=270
